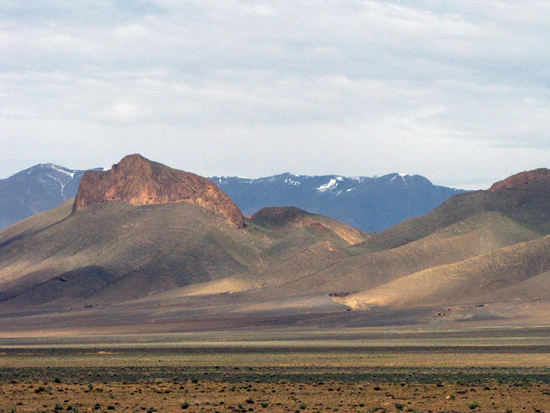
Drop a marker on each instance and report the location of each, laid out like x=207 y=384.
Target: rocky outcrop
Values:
x=521 y=179
x=138 y=181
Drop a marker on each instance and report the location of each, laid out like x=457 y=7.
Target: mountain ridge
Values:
x=371 y=204
x=36 y=189
x=370 y=209
x=142 y=228
x=127 y=260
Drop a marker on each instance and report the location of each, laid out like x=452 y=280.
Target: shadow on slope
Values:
x=475 y=236
x=465 y=281
x=528 y=204
x=115 y=252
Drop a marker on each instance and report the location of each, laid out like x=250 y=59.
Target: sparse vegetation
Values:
x=121 y=397
x=131 y=387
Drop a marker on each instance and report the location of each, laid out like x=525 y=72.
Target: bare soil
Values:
x=264 y=377
x=278 y=391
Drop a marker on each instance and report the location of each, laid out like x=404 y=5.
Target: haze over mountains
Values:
x=147 y=248
x=367 y=203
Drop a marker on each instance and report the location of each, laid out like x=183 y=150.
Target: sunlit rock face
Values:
x=138 y=181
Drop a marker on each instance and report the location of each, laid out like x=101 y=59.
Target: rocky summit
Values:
x=138 y=181
x=522 y=180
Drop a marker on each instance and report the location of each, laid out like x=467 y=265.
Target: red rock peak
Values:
x=138 y=181
x=518 y=180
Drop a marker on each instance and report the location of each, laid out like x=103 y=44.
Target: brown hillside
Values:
x=524 y=198
x=465 y=281
x=473 y=237
x=171 y=252
x=283 y=220
x=138 y=181
x=116 y=251
x=522 y=180
x=113 y=252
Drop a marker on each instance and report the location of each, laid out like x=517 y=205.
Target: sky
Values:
x=456 y=91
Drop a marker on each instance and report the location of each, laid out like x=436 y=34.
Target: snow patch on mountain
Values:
x=62 y=170
x=402 y=176
x=329 y=186
x=292 y=182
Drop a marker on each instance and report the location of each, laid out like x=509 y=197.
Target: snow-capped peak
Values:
x=63 y=170
x=399 y=175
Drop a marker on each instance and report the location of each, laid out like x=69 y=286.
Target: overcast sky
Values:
x=456 y=91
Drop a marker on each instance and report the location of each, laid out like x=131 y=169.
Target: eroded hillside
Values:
x=149 y=247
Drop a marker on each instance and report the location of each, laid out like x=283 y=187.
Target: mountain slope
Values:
x=367 y=203
x=142 y=253
x=182 y=232
x=115 y=252
x=473 y=237
x=523 y=204
x=528 y=204
x=35 y=190
x=465 y=281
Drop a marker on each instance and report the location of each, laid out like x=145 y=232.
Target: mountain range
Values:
x=147 y=248
x=370 y=204
x=35 y=190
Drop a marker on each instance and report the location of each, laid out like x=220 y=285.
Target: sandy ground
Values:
x=278 y=394
x=276 y=379
x=487 y=370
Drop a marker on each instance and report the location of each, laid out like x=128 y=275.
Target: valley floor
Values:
x=483 y=370
x=279 y=391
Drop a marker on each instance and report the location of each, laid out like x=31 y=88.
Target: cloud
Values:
x=445 y=89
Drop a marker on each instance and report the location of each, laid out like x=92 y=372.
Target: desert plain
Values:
x=415 y=369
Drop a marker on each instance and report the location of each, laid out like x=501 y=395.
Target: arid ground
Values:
x=483 y=370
